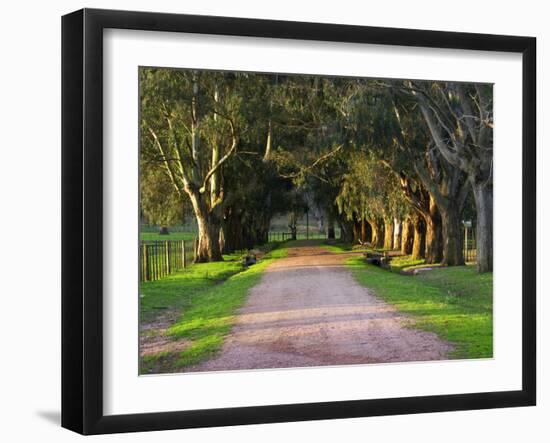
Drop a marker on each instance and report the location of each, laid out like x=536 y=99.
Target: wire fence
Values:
x=157 y=259
x=284 y=236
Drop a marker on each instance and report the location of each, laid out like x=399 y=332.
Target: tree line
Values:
x=395 y=163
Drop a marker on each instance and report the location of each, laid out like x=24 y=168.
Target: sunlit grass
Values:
x=456 y=303
x=404 y=262
x=175 y=290
x=207 y=309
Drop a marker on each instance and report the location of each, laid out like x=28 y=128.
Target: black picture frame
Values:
x=82 y=218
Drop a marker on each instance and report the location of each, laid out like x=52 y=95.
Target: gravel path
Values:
x=309 y=311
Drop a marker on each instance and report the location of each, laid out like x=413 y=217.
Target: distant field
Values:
x=155 y=236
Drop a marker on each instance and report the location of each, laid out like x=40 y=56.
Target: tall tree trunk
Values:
x=434 y=239
x=452 y=236
x=208 y=249
x=346 y=231
x=232 y=230
x=377 y=235
x=407 y=237
x=397 y=226
x=419 y=240
x=366 y=231
x=483 y=196
x=356 y=230
x=388 y=233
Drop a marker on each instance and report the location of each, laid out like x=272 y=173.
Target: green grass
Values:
x=207 y=309
x=456 y=303
x=172 y=236
x=175 y=290
x=403 y=262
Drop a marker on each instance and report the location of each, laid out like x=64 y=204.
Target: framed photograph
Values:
x=268 y=221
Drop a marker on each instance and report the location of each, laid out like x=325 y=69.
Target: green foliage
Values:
x=455 y=302
x=369 y=190
x=160 y=203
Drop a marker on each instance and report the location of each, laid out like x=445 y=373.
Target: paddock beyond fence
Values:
x=157 y=259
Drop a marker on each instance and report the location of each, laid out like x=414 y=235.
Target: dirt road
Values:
x=309 y=311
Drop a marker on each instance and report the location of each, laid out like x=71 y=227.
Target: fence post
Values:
x=148 y=261
x=167 y=252
x=183 y=253
x=466 y=243
x=156 y=256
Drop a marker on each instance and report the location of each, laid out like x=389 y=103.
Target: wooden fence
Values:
x=157 y=259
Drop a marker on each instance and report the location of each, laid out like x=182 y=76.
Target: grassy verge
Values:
x=405 y=262
x=174 y=291
x=456 y=303
x=207 y=309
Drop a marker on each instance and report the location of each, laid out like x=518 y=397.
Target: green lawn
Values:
x=404 y=262
x=207 y=297
x=173 y=291
x=172 y=236
x=456 y=303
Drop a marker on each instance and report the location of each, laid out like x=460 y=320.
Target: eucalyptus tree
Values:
x=390 y=125
x=375 y=129
x=310 y=140
x=191 y=125
x=460 y=120
x=370 y=193
x=446 y=184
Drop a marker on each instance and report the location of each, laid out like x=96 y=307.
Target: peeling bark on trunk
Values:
x=483 y=196
x=407 y=237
